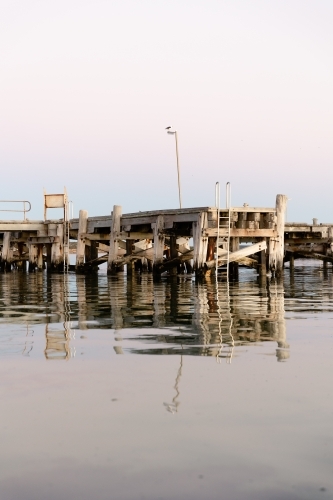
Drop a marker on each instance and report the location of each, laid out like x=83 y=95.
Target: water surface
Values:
x=127 y=389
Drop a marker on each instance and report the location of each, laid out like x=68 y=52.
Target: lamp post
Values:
x=174 y=132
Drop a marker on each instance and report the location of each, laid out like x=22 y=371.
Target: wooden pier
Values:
x=197 y=240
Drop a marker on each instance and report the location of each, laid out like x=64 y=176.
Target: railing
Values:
x=25 y=208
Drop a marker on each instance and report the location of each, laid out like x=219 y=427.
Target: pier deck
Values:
x=188 y=240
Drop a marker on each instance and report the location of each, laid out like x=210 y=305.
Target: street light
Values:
x=174 y=132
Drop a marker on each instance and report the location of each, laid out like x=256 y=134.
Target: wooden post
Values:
x=200 y=243
x=233 y=266
x=130 y=265
x=173 y=254
x=159 y=239
x=211 y=245
x=21 y=264
x=292 y=262
x=80 y=245
x=40 y=257
x=7 y=252
x=262 y=269
x=33 y=257
x=330 y=241
x=48 y=256
x=276 y=245
x=114 y=238
x=91 y=252
x=57 y=250
x=144 y=265
x=262 y=263
x=281 y=205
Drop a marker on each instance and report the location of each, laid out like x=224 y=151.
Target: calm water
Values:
x=128 y=389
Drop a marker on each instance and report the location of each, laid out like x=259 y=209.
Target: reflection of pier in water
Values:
x=197 y=318
x=174 y=316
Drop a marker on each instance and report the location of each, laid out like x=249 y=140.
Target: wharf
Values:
x=197 y=240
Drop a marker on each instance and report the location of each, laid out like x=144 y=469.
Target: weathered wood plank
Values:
x=21 y=226
x=241 y=233
x=251 y=209
x=123 y=235
x=36 y=240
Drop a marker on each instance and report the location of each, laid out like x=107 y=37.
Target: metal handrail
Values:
x=17 y=201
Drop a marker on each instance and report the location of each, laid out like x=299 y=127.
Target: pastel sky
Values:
x=87 y=88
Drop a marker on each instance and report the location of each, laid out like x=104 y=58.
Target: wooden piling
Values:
x=144 y=265
x=91 y=252
x=80 y=245
x=130 y=265
x=330 y=241
x=21 y=264
x=57 y=250
x=7 y=252
x=200 y=243
x=48 y=256
x=114 y=238
x=173 y=254
x=40 y=263
x=159 y=239
x=233 y=266
x=33 y=257
x=291 y=262
x=276 y=245
x=281 y=205
x=262 y=269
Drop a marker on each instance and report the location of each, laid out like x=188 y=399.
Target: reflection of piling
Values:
x=57 y=344
x=201 y=316
x=81 y=301
x=278 y=326
x=58 y=339
x=116 y=302
x=159 y=320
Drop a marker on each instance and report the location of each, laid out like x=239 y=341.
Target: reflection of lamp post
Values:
x=174 y=132
x=173 y=407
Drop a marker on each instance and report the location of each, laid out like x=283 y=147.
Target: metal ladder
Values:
x=223 y=223
x=66 y=236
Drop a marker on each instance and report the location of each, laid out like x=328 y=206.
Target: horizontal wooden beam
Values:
x=43 y=240
x=316 y=256
x=241 y=233
x=14 y=226
x=123 y=235
x=262 y=210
